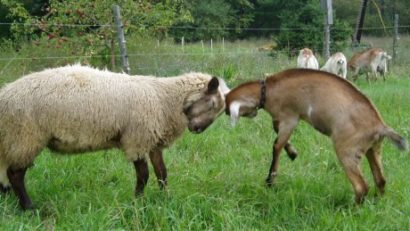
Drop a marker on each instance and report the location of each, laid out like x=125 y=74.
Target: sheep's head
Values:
x=207 y=107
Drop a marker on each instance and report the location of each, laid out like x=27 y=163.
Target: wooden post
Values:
x=211 y=47
x=223 y=45
x=183 y=43
x=359 y=23
x=396 y=37
x=328 y=20
x=121 y=38
x=202 y=44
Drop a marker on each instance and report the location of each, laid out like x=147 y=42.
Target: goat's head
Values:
x=243 y=101
x=202 y=111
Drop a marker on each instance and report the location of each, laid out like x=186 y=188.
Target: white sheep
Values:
x=382 y=67
x=336 y=64
x=74 y=109
x=307 y=59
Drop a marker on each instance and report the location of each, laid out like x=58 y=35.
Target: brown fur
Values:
x=333 y=106
x=369 y=60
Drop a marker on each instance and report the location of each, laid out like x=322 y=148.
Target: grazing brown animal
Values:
x=373 y=60
x=332 y=105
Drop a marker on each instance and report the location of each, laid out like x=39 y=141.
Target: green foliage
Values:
x=214 y=19
x=304 y=28
x=85 y=28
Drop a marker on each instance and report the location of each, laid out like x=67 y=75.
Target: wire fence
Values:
x=197 y=28
x=211 y=48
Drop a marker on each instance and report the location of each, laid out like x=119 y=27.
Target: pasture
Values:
x=216 y=179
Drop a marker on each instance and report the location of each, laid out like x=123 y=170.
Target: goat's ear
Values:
x=224 y=88
x=234 y=112
x=213 y=85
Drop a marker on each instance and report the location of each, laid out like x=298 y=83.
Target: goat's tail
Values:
x=399 y=141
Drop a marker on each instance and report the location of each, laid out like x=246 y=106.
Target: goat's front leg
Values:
x=159 y=167
x=16 y=178
x=290 y=150
x=141 y=169
x=285 y=130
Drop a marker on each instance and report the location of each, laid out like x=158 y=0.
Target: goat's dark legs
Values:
x=141 y=169
x=350 y=160
x=285 y=129
x=375 y=162
x=290 y=150
x=16 y=178
x=159 y=167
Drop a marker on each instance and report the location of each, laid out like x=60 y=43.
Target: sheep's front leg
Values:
x=159 y=167
x=16 y=178
x=141 y=168
x=4 y=180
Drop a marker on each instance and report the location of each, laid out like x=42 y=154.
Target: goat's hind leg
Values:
x=350 y=161
x=375 y=161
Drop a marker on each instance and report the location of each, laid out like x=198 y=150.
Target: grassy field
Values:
x=216 y=179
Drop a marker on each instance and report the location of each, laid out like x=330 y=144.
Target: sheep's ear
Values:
x=234 y=112
x=224 y=88
x=213 y=85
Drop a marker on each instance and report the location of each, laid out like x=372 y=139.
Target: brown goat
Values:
x=373 y=60
x=332 y=105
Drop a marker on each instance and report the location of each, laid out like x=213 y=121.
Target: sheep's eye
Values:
x=213 y=104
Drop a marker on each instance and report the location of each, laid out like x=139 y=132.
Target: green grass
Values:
x=216 y=179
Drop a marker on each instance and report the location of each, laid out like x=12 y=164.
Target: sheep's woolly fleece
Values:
x=87 y=108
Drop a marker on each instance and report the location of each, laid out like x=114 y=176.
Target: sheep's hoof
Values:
x=4 y=189
x=162 y=184
x=139 y=193
x=27 y=205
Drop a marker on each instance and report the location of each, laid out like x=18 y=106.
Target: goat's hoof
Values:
x=269 y=182
x=292 y=155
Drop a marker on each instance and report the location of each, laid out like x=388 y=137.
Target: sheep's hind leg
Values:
x=16 y=177
x=141 y=168
x=4 y=180
x=159 y=167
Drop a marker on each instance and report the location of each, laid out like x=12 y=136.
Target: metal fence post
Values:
x=396 y=37
x=121 y=38
x=328 y=20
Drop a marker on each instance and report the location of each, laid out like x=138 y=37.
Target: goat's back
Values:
x=322 y=99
